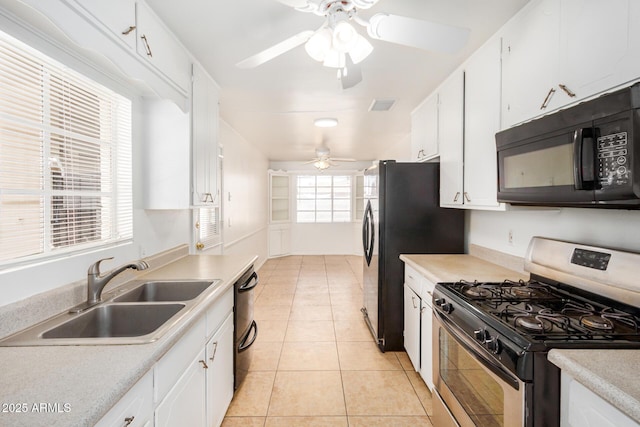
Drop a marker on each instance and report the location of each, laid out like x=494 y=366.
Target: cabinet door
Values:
x=530 y=62
x=595 y=53
x=426 y=344
x=220 y=373
x=184 y=405
x=119 y=16
x=424 y=129
x=158 y=46
x=450 y=134
x=204 y=134
x=481 y=122
x=412 y=326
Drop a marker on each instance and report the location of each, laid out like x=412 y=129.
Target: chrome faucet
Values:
x=96 y=282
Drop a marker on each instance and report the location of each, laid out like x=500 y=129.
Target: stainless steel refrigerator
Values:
x=402 y=216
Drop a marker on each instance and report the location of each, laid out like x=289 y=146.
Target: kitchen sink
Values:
x=162 y=291
x=115 y=321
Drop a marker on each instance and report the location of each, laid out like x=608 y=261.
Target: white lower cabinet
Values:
x=418 y=321
x=185 y=404
x=219 y=354
x=412 y=306
x=580 y=407
x=426 y=343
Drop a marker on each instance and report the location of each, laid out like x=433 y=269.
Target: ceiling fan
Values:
x=323 y=160
x=337 y=44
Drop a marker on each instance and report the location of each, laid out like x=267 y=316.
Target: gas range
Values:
x=496 y=335
x=544 y=312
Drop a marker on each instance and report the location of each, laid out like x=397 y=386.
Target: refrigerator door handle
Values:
x=368 y=238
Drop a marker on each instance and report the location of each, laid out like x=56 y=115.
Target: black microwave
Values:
x=582 y=156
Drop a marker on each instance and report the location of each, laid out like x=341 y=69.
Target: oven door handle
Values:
x=470 y=346
x=247 y=286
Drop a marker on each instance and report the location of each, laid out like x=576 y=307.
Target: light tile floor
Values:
x=314 y=362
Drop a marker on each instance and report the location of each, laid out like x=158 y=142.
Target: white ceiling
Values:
x=273 y=106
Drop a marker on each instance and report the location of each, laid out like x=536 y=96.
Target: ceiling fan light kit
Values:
x=338 y=44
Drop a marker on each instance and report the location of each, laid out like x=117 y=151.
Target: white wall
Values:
x=400 y=150
x=245 y=195
x=600 y=227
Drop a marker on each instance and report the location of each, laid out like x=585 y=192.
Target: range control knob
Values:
x=481 y=335
x=447 y=307
x=493 y=345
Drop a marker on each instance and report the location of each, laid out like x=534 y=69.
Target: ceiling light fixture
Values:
x=322 y=165
x=326 y=122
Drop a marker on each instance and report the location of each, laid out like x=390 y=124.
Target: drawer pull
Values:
x=128 y=421
x=204 y=364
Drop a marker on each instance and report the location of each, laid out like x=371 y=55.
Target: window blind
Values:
x=65 y=158
x=208 y=225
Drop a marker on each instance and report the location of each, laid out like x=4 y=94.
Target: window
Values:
x=208 y=227
x=323 y=198
x=65 y=158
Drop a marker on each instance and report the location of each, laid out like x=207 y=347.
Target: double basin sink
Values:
x=139 y=313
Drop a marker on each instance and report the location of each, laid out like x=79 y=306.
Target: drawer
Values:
x=413 y=279
x=136 y=405
x=219 y=311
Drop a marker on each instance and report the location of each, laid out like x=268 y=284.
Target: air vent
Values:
x=382 y=104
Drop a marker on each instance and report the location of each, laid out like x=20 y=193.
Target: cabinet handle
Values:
x=420 y=154
x=413 y=300
x=207 y=197
x=567 y=91
x=215 y=349
x=128 y=30
x=146 y=45
x=466 y=196
x=199 y=246
x=455 y=199
x=204 y=364
x=545 y=103
x=128 y=421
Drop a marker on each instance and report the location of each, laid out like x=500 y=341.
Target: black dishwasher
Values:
x=245 y=327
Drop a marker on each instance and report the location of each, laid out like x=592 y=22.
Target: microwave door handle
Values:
x=578 y=145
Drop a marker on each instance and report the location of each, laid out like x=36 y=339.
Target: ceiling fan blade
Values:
x=338 y=159
x=301 y=5
x=417 y=33
x=275 y=50
x=351 y=74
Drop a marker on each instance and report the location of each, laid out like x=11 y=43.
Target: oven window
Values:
x=548 y=167
x=479 y=394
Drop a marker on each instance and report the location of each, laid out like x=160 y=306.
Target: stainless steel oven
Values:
x=470 y=388
x=491 y=339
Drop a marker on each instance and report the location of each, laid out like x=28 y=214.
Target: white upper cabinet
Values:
x=160 y=47
x=119 y=16
x=529 y=62
x=204 y=128
x=599 y=42
x=558 y=53
x=424 y=130
x=481 y=122
x=450 y=135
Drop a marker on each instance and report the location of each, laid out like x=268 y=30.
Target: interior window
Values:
x=65 y=158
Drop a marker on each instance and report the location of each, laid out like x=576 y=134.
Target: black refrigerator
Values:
x=402 y=216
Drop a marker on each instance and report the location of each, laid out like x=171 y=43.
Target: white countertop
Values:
x=611 y=374
x=452 y=268
x=91 y=379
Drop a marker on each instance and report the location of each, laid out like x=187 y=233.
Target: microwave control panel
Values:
x=613 y=159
